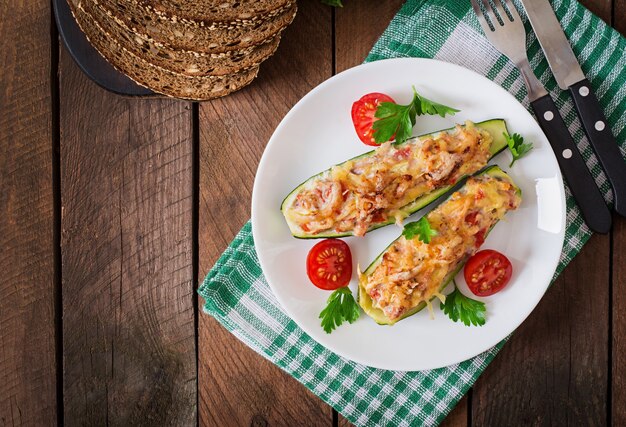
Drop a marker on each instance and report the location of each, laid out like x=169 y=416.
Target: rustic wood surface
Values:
x=28 y=393
x=129 y=346
x=113 y=209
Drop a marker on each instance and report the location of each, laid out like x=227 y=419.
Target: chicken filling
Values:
x=358 y=194
x=411 y=271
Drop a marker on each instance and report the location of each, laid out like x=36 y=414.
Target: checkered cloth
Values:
x=238 y=296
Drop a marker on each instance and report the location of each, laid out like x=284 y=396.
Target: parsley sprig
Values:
x=400 y=119
x=420 y=228
x=336 y=3
x=459 y=307
x=516 y=146
x=340 y=307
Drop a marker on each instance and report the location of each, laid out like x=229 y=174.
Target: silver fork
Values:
x=507 y=34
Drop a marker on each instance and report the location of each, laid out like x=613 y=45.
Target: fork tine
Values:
x=491 y=15
x=488 y=8
x=512 y=10
x=503 y=16
x=481 y=18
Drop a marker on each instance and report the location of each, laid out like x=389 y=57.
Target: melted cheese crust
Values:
x=362 y=192
x=412 y=271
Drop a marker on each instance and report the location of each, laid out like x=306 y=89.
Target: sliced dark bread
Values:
x=197 y=36
x=169 y=83
x=214 y=10
x=181 y=61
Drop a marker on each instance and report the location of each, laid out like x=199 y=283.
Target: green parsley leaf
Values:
x=336 y=3
x=426 y=106
x=400 y=119
x=421 y=229
x=340 y=307
x=516 y=146
x=459 y=307
x=393 y=118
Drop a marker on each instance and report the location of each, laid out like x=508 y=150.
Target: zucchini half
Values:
x=377 y=314
x=495 y=127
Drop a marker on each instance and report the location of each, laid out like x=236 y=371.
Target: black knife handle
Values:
x=594 y=210
x=602 y=141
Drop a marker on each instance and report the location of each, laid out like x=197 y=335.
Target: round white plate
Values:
x=318 y=133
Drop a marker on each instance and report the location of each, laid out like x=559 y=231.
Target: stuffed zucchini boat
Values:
x=390 y=183
x=409 y=273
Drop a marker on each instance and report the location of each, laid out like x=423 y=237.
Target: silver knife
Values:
x=569 y=75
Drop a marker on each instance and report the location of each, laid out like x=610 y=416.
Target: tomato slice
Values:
x=329 y=264
x=363 y=112
x=487 y=272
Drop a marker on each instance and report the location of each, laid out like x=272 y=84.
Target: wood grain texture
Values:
x=358 y=26
x=554 y=370
x=237 y=386
x=618 y=374
x=27 y=312
x=619 y=16
x=128 y=296
x=618 y=377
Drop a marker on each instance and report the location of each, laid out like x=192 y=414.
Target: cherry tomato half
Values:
x=363 y=112
x=329 y=264
x=487 y=272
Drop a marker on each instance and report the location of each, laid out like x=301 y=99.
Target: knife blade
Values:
x=557 y=49
x=569 y=76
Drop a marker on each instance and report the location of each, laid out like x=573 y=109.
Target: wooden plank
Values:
x=619 y=16
x=27 y=309
x=128 y=296
x=554 y=370
x=618 y=374
x=237 y=386
x=357 y=27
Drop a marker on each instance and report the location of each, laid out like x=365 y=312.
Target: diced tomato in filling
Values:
x=378 y=217
x=403 y=153
x=480 y=237
x=470 y=218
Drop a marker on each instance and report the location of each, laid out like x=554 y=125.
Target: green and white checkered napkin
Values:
x=238 y=296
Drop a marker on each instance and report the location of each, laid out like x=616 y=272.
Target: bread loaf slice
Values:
x=214 y=10
x=181 y=61
x=160 y=80
x=197 y=36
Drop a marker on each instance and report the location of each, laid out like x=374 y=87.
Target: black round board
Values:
x=88 y=59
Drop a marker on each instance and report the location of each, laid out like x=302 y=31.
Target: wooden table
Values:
x=112 y=210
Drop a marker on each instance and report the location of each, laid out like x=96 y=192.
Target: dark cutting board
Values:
x=89 y=60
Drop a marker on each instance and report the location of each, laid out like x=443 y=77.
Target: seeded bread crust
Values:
x=214 y=10
x=160 y=80
x=190 y=11
x=181 y=61
x=197 y=36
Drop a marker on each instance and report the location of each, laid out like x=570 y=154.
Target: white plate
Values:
x=318 y=133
